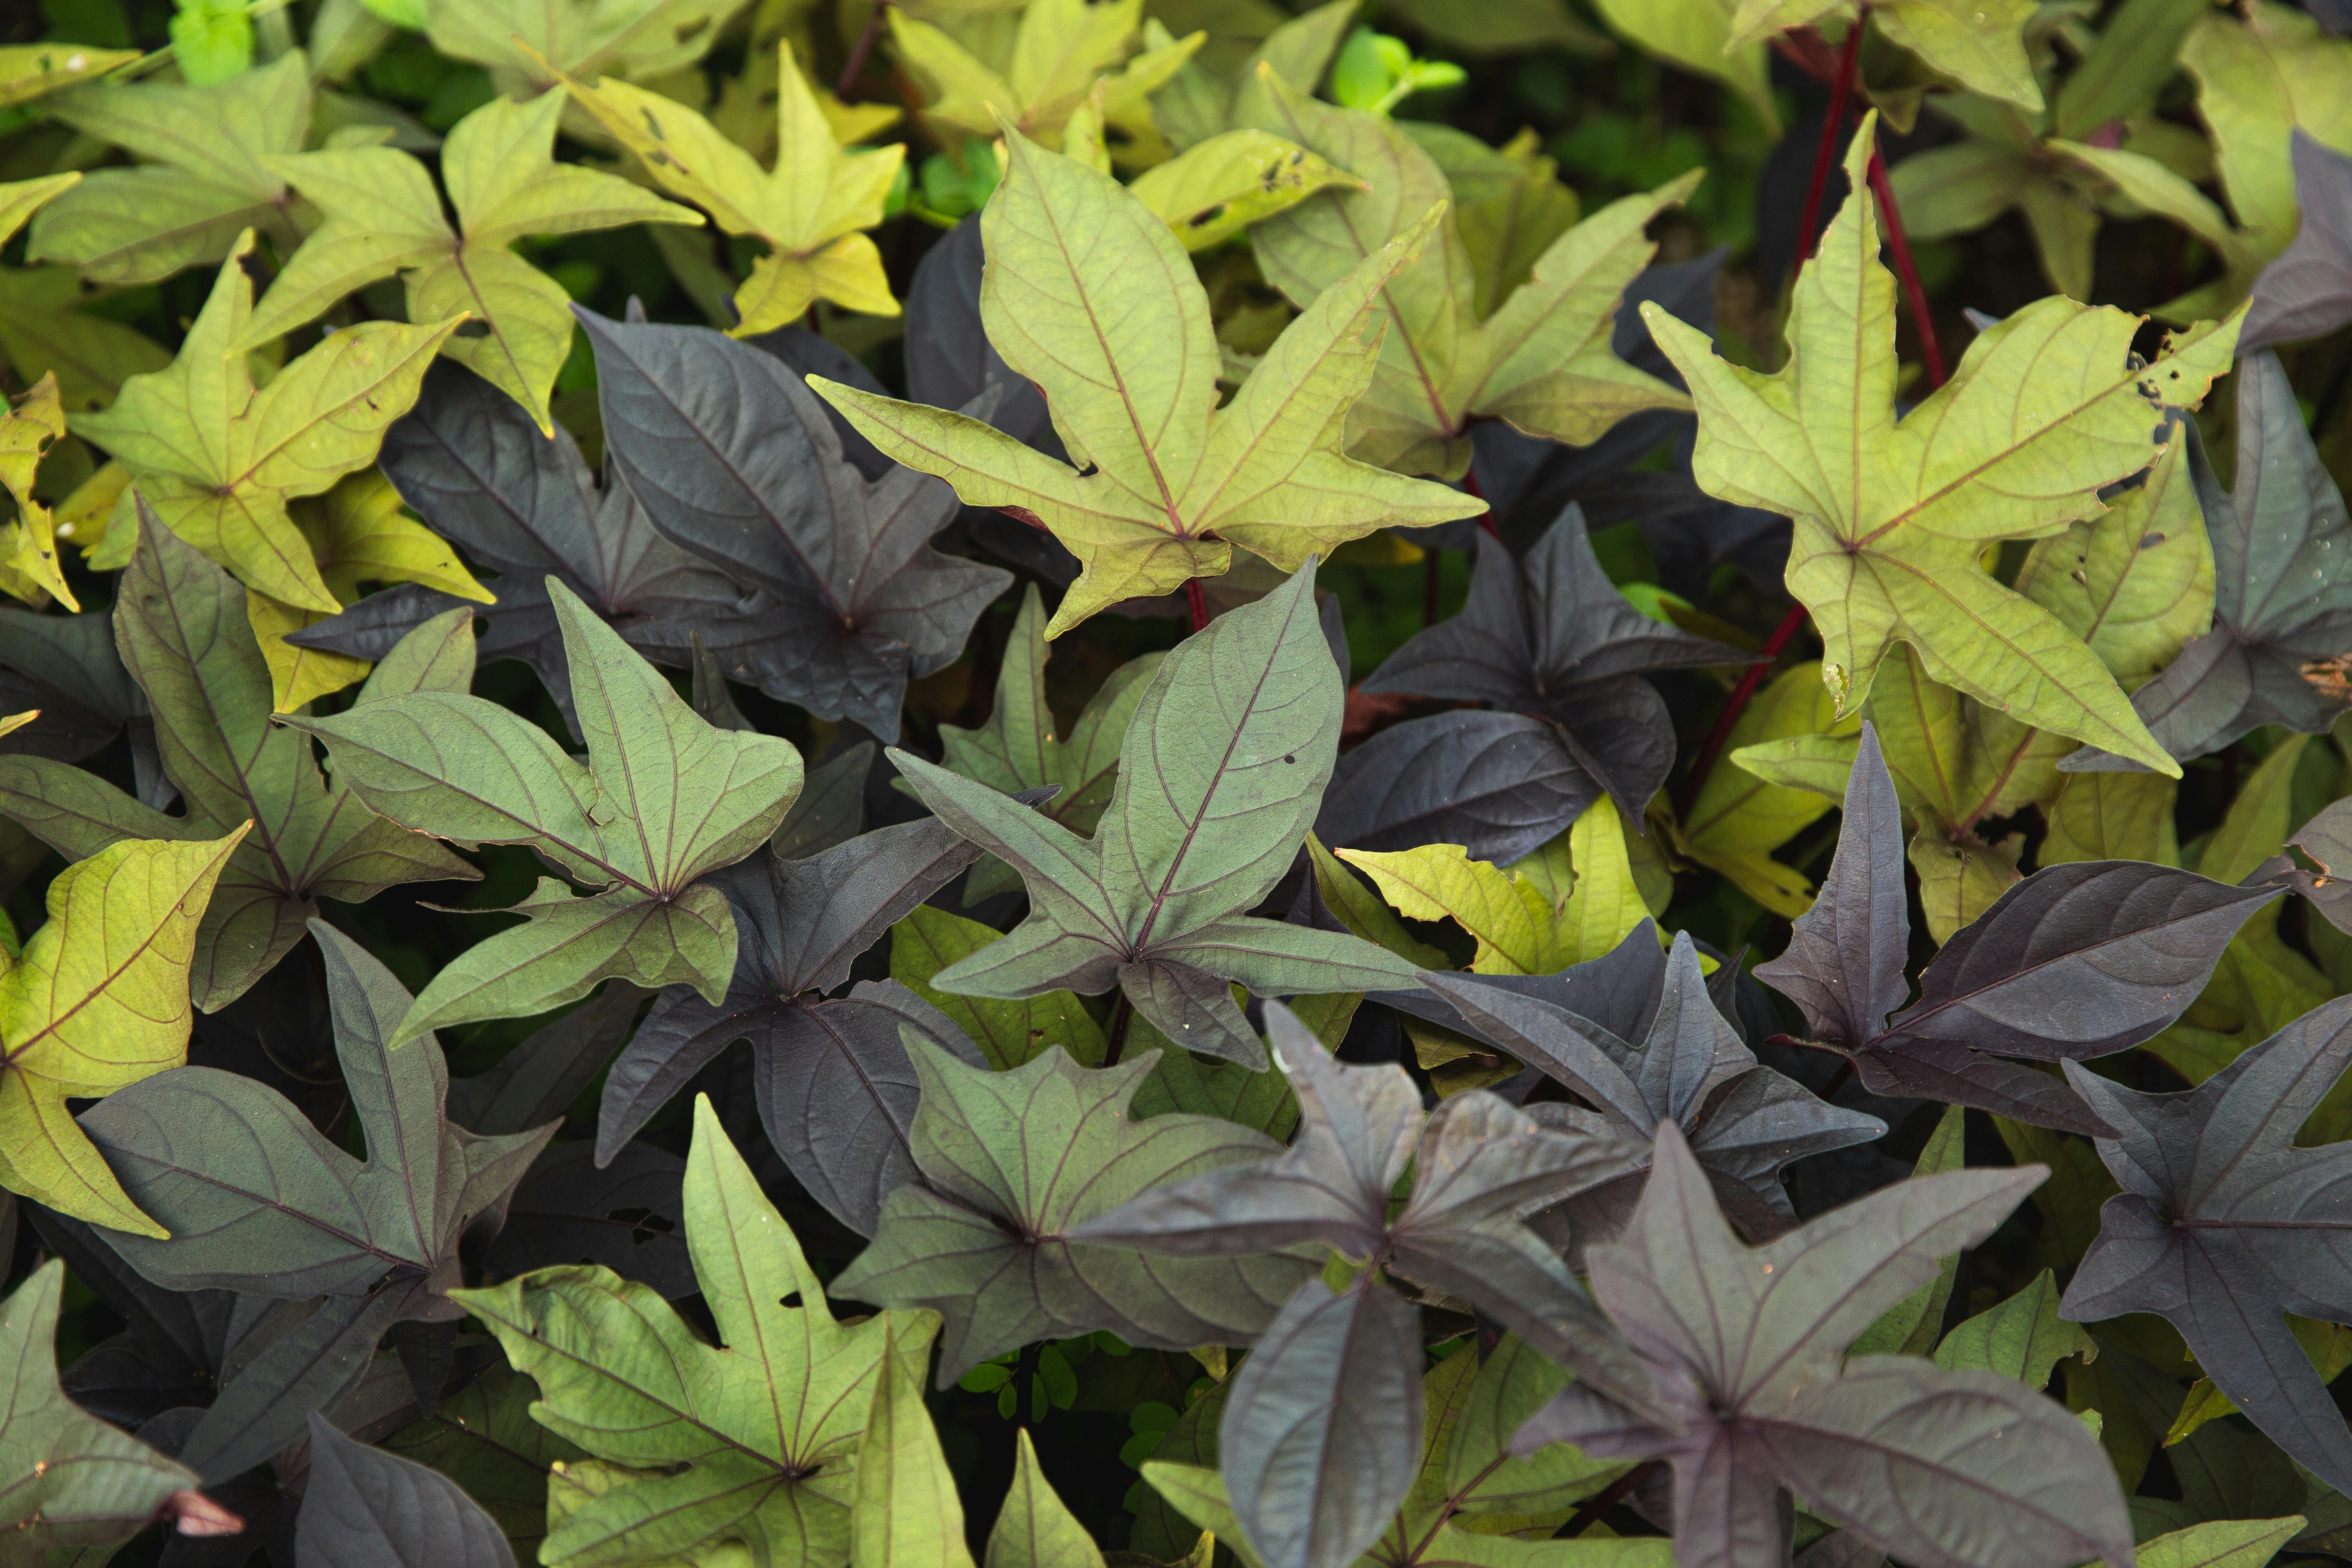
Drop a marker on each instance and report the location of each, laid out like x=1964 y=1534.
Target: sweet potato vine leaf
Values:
x=2080 y=960
x=1981 y=46
x=2224 y=1226
x=2307 y=291
x=370 y=1509
x=1320 y=1435
x=71 y=1481
x=1220 y=773
x=29 y=569
x=1743 y=1120
x=203 y=173
x=518 y=40
x=735 y=461
x=1550 y=637
x=260 y=1202
x=836 y=1090
x=474 y=466
x=1116 y=329
x=218 y=460
x=1061 y=50
x=99 y=1000
x=808 y=209
x=383 y=216
x=754 y=1440
x=183 y=626
x=1011 y=1164
x=2282 y=590
x=1745 y=1344
x=663 y=800
x=2046 y=407
x=1542 y=359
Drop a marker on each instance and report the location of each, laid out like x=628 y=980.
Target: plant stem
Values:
x=1589 y=1514
x=1121 y=1011
x=1930 y=351
x=1486 y=517
x=1825 y=155
x=860 y=51
x=1198 y=602
x=1837 y=1079
x=1749 y=683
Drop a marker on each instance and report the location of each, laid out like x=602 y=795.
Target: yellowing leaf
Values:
x=219 y=461
x=29 y=545
x=383 y=217
x=1117 y=333
x=2046 y=409
x=1542 y=361
x=1741 y=815
x=808 y=209
x=1211 y=192
x=99 y=1000
x=1528 y=920
x=1980 y=44
x=1062 y=49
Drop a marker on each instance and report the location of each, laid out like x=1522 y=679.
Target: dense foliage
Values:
x=1471 y=787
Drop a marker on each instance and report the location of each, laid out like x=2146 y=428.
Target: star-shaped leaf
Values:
x=753 y=1440
x=2224 y=1225
x=2079 y=959
x=1480 y=1163
x=204 y=173
x=662 y=800
x=2282 y=596
x=1061 y=49
x=834 y=1087
x=1747 y=1347
x=2307 y=291
x=1017 y=749
x=258 y=1201
x=219 y=460
x=72 y=1480
x=735 y=461
x=1888 y=531
x=99 y=1000
x=1542 y=359
x=1978 y=43
x=1551 y=636
x=1219 y=776
x=808 y=209
x=384 y=217
x=1743 y=1120
x=185 y=633
x=470 y=462
x=1117 y=334
x=1011 y=1163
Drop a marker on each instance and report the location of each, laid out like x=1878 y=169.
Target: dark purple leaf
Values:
x=2307 y=292
x=1500 y=784
x=625 y=1215
x=362 y=1507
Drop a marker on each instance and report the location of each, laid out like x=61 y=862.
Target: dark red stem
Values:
x=1788 y=628
x=860 y=51
x=1589 y=1514
x=1197 y=602
x=1120 y=1014
x=1486 y=517
x=1825 y=155
x=1930 y=351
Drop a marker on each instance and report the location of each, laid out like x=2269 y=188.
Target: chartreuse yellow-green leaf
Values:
x=1061 y=49
x=808 y=209
x=28 y=542
x=1980 y=44
x=1742 y=815
x=219 y=460
x=1540 y=360
x=2047 y=407
x=358 y=533
x=384 y=217
x=754 y=1443
x=1035 y=1528
x=28 y=71
x=98 y=999
x=524 y=42
x=1211 y=192
x=1089 y=295
x=2260 y=75
x=1538 y=918
x=907 y=1513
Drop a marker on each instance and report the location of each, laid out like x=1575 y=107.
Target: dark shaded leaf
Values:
x=1237 y=727
x=2282 y=590
x=1747 y=1347
x=363 y=1508
x=736 y=459
x=65 y=666
x=535 y=1081
x=1500 y=784
x=483 y=1437
x=1843 y=964
x=2224 y=1226
x=624 y=1214
x=2307 y=292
